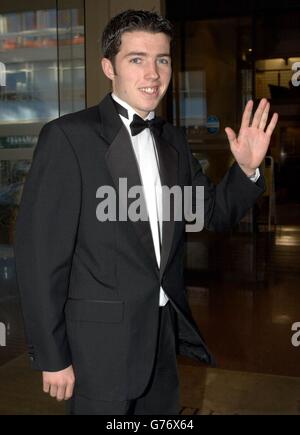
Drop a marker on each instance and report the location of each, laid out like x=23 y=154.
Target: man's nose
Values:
x=152 y=71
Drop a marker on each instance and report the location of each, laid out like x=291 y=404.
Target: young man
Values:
x=104 y=302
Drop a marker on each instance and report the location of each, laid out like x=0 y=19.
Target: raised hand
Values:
x=250 y=146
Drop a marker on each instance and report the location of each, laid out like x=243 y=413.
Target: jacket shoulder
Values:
x=82 y=117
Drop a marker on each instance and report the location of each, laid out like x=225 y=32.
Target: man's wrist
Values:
x=252 y=174
x=249 y=172
x=255 y=176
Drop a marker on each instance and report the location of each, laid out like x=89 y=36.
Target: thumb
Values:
x=231 y=136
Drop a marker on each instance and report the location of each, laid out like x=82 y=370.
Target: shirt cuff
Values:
x=255 y=176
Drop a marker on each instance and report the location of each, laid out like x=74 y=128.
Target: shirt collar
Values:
x=131 y=111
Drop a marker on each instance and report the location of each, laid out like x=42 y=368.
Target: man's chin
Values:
x=150 y=107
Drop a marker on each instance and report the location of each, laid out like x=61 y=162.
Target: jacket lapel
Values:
x=121 y=163
x=168 y=162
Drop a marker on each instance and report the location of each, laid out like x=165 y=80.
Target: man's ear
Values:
x=108 y=68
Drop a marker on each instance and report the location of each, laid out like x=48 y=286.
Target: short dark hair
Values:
x=129 y=21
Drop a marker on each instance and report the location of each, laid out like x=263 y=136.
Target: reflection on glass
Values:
x=192 y=95
x=43 y=54
x=213 y=80
x=28 y=48
x=42 y=57
x=13 y=174
x=71 y=61
x=18 y=141
x=274 y=79
x=42 y=76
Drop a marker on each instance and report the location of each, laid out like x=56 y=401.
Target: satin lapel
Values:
x=121 y=163
x=168 y=162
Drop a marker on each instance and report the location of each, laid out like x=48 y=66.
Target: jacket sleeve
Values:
x=226 y=203
x=46 y=233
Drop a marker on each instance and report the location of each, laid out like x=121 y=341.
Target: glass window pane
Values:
x=42 y=76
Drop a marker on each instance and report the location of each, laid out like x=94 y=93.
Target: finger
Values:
x=259 y=112
x=53 y=390
x=69 y=391
x=264 y=118
x=61 y=391
x=272 y=124
x=247 y=114
x=231 y=136
x=46 y=387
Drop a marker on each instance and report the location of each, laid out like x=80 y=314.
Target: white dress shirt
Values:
x=147 y=159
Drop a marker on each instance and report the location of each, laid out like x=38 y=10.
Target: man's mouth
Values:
x=150 y=90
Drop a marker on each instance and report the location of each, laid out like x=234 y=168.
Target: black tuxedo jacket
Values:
x=90 y=289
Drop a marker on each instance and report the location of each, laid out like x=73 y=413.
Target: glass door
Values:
x=42 y=76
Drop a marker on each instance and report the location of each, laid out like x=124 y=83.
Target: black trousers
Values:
x=161 y=396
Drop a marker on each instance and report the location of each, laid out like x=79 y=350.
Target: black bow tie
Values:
x=138 y=124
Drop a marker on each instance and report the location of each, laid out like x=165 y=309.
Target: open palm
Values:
x=250 y=146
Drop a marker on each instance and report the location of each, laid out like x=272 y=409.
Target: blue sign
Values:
x=213 y=124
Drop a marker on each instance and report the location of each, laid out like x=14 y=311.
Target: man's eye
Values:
x=136 y=60
x=164 y=61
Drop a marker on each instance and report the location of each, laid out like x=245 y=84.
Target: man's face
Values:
x=142 y=70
